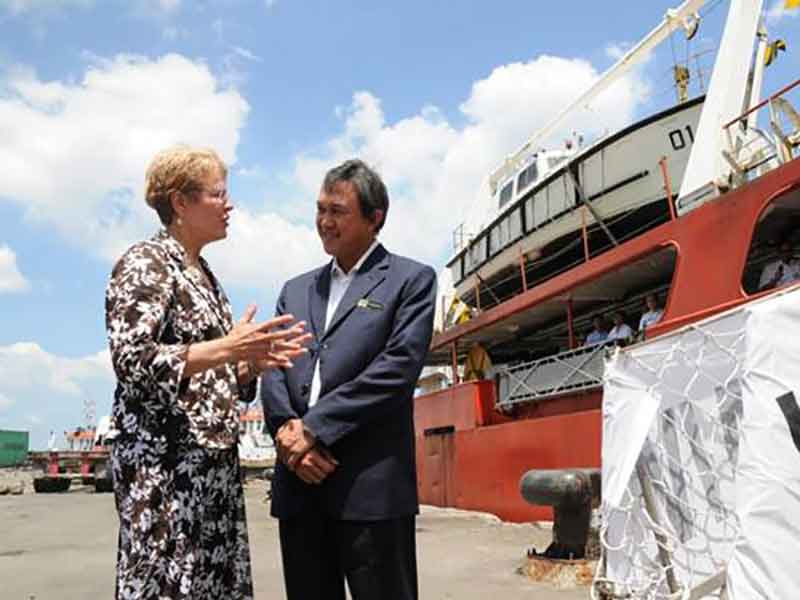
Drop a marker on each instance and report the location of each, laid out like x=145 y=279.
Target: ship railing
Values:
x=570 y=371
x=764 y=137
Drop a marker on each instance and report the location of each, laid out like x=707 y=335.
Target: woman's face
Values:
x=206 y=215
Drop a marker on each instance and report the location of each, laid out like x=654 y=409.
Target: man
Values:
x=781 y=271
x=345 y=488
x=621 y=330
x=599 y=333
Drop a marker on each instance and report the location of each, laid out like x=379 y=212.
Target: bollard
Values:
x=571 y=493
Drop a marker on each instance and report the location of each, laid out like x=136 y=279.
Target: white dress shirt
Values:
x=340 y=281
x=649 y=318
x=620 y=332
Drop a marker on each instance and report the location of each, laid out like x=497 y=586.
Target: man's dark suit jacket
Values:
x=370 y=358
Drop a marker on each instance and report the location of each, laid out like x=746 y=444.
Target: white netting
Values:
x=670 y=524
x=701 y=459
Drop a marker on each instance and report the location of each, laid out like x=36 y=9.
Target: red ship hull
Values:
x=471 y=456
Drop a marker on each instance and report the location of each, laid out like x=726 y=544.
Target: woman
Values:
x=182 y=367
x=653 y=313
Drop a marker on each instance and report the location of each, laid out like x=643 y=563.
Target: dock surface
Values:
x=64 y=546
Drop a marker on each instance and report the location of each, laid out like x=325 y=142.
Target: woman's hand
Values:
x=281 y=347
x=253 y=347
x=266 y=341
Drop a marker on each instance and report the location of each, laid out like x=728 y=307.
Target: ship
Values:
x=87 y=453
x=256 y=448
x=687 y=206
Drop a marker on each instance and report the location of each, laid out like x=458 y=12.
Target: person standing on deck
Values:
x=599 y=334
x=621 y=330
x=653 y=313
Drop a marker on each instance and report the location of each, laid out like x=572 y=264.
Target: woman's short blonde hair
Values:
x=179 y=169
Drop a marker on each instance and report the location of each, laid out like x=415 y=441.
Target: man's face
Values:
x=786 y=251
x=345 y=232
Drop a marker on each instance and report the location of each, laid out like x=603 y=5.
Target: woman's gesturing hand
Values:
x=269 y=344
x=252 y=346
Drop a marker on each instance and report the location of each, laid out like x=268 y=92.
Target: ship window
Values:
x=774 y=256
x=494 y=240
x=458 y=269
x=540 y=210
x=477 y=253
x=527 y=176
x=468 y=264
x=529 y=213
x=506 y=193
x=504 y=237
x=515 y=224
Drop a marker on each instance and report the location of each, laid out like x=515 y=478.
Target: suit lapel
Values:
x=371 y=273
x=318 y=300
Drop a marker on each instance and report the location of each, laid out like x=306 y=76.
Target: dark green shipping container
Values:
x=13 y=447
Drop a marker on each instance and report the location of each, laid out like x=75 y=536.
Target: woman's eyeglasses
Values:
x=217 y=195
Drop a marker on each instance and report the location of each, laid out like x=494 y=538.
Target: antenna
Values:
x=89 y=413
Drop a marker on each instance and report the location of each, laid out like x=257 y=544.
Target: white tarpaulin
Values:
x=706 y=419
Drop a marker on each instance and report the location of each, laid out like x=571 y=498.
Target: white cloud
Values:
x=218 y=27
x=777 y=11
x=77 y=155
x=434 y=170
x=155 y=8
x=617 y=50
x=264 y=250
x=246 y=54
x=17 y=7
x=5 y=402
x=11 y=280
x=45 y=391
x=172 y=33
x=76 y=152
x=26 y=367
x=254 y=171
x=169 y=5
x=233 y=66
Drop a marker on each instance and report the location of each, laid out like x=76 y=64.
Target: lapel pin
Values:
x=370 y=304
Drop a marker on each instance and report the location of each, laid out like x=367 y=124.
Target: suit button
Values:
x=304 y=389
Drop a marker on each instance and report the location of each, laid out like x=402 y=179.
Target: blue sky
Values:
x=432 y=93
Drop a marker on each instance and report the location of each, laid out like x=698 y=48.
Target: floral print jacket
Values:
x=156 y=306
